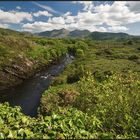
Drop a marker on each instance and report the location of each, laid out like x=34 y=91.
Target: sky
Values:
x=102 y=16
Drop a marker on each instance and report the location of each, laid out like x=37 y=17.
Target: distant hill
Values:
x=107 y=35
x=64 y=33
x=83 y=34
x=79 y=33
x=10 y=32
x=54 y=33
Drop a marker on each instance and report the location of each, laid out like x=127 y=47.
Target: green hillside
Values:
x=22 y=54
x=54 y=33
x=63 y=33
x=107 y=36
x=79 y=33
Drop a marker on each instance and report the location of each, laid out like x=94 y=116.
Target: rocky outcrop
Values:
x=16 y=71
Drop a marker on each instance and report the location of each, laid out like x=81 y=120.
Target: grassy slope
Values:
x=22 y=54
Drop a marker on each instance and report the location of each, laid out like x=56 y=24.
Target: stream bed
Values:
x=27 y=95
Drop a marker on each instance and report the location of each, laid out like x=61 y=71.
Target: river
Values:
x=27 y=95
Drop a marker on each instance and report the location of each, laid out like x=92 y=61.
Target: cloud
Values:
x=56 y=20
x=117 y=28
x=52 y=23
x=133 y=6
x=102 y=29
x=14 y=16
x=47 y=8
x=41 y=26
x=67 y=14
x=42 y=13
x=18 y=7
x=4 y=25
x=88 y=5
x=115 y=16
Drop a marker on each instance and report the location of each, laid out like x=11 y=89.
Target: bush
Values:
x=133 y=57
x=41 y=42
x=81 y=45
x=79 y=53
x=130 y=42
x=112 y=102
x=3 y=51
x=60 y=97
x=104 y=52
x=138 y=48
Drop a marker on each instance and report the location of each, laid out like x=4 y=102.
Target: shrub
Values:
x=104 y=52
x=138 y=48
x=41 y=42
x=112 y=102
x=130 y=42
x=3 y=51
x=133 y=57
x=80 y=45
x=56 y=97
x=79 y=53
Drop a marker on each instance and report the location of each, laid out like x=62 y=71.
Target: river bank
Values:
x=20 y=70
x=27 y=95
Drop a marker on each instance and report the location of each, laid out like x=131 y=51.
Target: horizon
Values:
x=94 y=16
x=66 y=29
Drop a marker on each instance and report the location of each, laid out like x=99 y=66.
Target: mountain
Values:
x=9 y=32
x=64 y=33
x=79 y=33
x=83 y=34
x=54 y=33
x=107 y=35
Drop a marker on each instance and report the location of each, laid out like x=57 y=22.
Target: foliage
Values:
x=133 y=57
x=95 y=97
x=87 y=109
x=112 y=102
x=66 y=123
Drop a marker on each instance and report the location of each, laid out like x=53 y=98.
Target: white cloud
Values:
x=14 y=16
x=117 y=14
x=102 y=29
x=18 y=7
x=88 y=5
x=56 y=20
x=4 y=25
x=43 y=26
x=93 y=18
x=67 y=14
x=46 y=8
x=117 y=28
x=42 y=13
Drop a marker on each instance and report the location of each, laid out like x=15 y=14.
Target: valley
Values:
x=65 y=85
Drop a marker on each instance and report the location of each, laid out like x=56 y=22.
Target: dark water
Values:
x=28 y=94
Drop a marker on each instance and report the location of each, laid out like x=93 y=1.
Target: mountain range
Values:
x=83 y=34
x=63 y=33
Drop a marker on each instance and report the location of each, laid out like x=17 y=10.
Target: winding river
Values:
x=27 y=95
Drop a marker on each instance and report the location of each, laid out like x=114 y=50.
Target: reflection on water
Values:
x=28 y=94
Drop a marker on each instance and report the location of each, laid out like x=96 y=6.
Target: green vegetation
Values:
x=21 y=55
x=112 y=104
x=86 y=109
x=97 y=96
x=64 y=33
